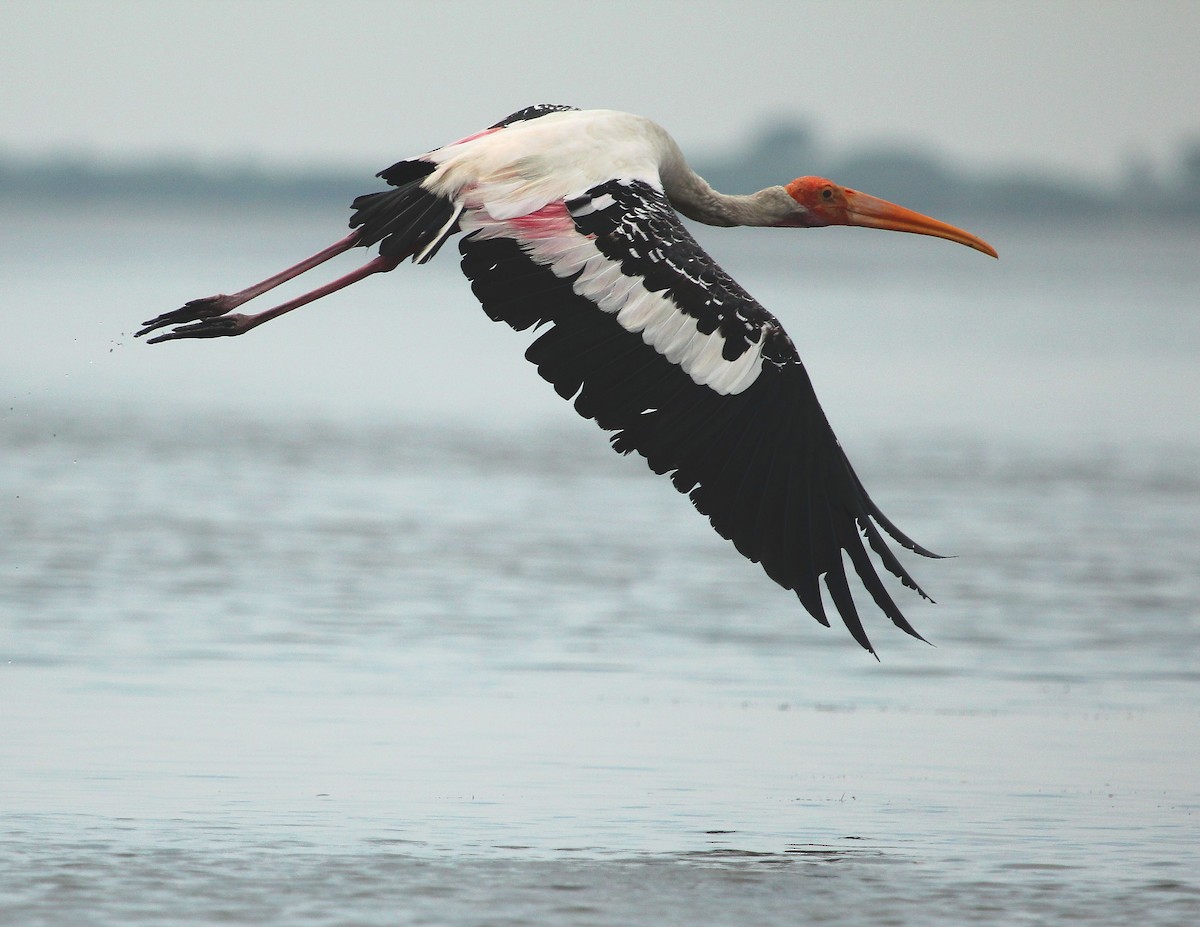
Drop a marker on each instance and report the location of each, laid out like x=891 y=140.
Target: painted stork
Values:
x=570 y=220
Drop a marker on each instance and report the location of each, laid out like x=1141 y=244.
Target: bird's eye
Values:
x=827 y=193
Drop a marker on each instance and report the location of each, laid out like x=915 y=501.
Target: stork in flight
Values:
x=569 y=220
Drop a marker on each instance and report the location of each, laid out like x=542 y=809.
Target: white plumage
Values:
x=520 y=168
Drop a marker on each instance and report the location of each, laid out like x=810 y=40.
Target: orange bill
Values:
x=872 y=212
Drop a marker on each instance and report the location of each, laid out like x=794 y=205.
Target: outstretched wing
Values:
x=657 y=344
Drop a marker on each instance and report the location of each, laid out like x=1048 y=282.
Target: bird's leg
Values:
x=211 y=306
x=236 y=324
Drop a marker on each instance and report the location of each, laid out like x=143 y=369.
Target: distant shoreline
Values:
x=912 y=177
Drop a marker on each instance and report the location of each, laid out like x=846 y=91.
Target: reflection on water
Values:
x=270 y=653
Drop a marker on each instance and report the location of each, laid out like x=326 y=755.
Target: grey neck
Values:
x=693 y=196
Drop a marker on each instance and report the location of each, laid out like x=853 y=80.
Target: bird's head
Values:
x=822 y=202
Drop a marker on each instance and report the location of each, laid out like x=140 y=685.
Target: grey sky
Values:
x=1086 y=88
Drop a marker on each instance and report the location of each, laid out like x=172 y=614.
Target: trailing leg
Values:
x=212 y=306
x=222 y=325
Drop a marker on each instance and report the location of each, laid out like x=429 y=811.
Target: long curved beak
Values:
x=872 y=212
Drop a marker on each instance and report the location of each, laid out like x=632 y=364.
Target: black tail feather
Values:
x=408 y=220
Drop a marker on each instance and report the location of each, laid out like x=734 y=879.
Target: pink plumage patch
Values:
x=551 y=221
x=471 y=138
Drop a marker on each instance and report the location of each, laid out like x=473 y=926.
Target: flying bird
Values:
x=570 y=222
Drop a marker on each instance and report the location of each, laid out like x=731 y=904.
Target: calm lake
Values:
x=351 y=621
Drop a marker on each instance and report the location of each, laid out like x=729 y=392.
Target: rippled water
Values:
x=366 y=636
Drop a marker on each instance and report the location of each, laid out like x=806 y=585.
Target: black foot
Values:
x=207 y=308
x=218 y=327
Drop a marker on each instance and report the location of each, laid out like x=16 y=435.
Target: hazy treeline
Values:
x=918 y=178
x=907 y=174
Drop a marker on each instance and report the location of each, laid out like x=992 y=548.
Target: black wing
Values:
x=763 y=463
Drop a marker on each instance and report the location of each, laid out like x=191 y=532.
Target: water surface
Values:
x=349 y=622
